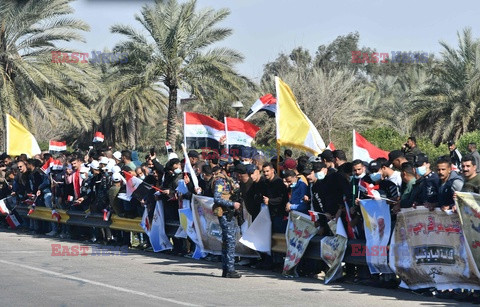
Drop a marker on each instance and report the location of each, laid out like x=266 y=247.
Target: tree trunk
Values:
x=172 y=116
x=131 y=131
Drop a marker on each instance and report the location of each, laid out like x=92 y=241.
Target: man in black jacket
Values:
x=254 y=199
x=275 y=197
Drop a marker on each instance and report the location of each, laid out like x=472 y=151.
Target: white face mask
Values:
x=142 y=177
x=320 y=175
x=177 y=171
x=421 y=170
x=360 y=176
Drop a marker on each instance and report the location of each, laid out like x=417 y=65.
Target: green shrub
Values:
x=469 y=137
x=389 y=139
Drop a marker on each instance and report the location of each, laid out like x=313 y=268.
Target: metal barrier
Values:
x=80 y=218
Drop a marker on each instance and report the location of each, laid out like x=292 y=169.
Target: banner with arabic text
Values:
x=427 y=250
x=469 y=211
x=300 y=230
x=332 y=250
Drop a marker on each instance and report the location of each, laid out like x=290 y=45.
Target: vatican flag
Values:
x=19 y=139
x=293 y=126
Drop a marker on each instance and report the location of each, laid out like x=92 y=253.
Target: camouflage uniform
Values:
x=223 y=189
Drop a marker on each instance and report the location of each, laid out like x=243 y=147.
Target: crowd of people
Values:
x=94 y=181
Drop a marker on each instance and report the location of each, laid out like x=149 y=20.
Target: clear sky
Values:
x=264 y=28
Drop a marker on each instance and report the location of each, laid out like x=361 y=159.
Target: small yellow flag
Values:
x=20 y=140
x=293 y=126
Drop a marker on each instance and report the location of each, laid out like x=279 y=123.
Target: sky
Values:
x=264 y=28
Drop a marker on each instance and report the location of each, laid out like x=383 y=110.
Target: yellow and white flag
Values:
x=19 y=139
x=293 y=126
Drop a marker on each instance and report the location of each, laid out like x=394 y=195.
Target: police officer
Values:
x=224 y=208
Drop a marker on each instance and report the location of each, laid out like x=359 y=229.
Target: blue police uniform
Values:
x=222 y=191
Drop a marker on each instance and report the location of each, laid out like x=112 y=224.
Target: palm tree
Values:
x=449 y=106
x=29 y=81
x=175 y=52
x=130 y=100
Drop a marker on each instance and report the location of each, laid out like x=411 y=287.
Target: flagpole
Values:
x=353 y=145
x=278 y=159
x=6 y=134
x=226 y=135
x=184 y=126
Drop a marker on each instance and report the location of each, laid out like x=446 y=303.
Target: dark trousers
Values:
x=228 y=243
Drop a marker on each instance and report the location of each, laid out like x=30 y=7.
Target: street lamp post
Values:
x=237 y=105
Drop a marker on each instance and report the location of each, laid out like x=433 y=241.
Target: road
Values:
x=31 y=276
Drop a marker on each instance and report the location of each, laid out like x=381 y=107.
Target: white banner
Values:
x=259 y=235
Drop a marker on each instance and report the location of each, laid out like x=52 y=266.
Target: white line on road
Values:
x=98 y=283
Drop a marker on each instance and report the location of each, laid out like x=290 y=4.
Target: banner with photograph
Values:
x=208 y=228
x=377 y=224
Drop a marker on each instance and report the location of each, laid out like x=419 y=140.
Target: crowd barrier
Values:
x=80 y=218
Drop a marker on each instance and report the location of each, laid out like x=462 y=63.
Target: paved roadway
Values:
x=31 y=276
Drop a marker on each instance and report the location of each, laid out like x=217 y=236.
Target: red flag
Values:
x=240 y=132
x=57 y=146
x=366 y=151
x=331 y=146
x=56 y=216
x=136 y=187
x=106 y=214
x=368 y=188
x=12 y=221
x=48 y=164
x=3 y=207
x=98 y=137
x=266 y=103
x=145 y=222
x=350 y=232
x=313 y=215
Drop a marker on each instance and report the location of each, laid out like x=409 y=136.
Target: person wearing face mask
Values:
x=139 y=173
x=427 y=181
x=206 y=181
x=386 y=188
x=173 y=173
x=298 y=190
x=359 y=172
x=315 y=178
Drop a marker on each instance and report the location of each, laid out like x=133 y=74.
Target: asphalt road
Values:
x=31 y=276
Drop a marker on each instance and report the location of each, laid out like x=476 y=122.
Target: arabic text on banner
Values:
x=428 y=250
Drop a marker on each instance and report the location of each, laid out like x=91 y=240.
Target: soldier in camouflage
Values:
x=224 y=208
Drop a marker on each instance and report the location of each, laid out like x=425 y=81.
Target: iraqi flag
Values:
x=12 y=221
x=136 y=187
x=366 y=151
x=201 y=131
x=369 y=189
x=240 y=132
x=331 y=147
x=48 y=165
x=57 y=146
x=145 y=224
x=98 y=137
x=3 y=207
x=266 y=103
